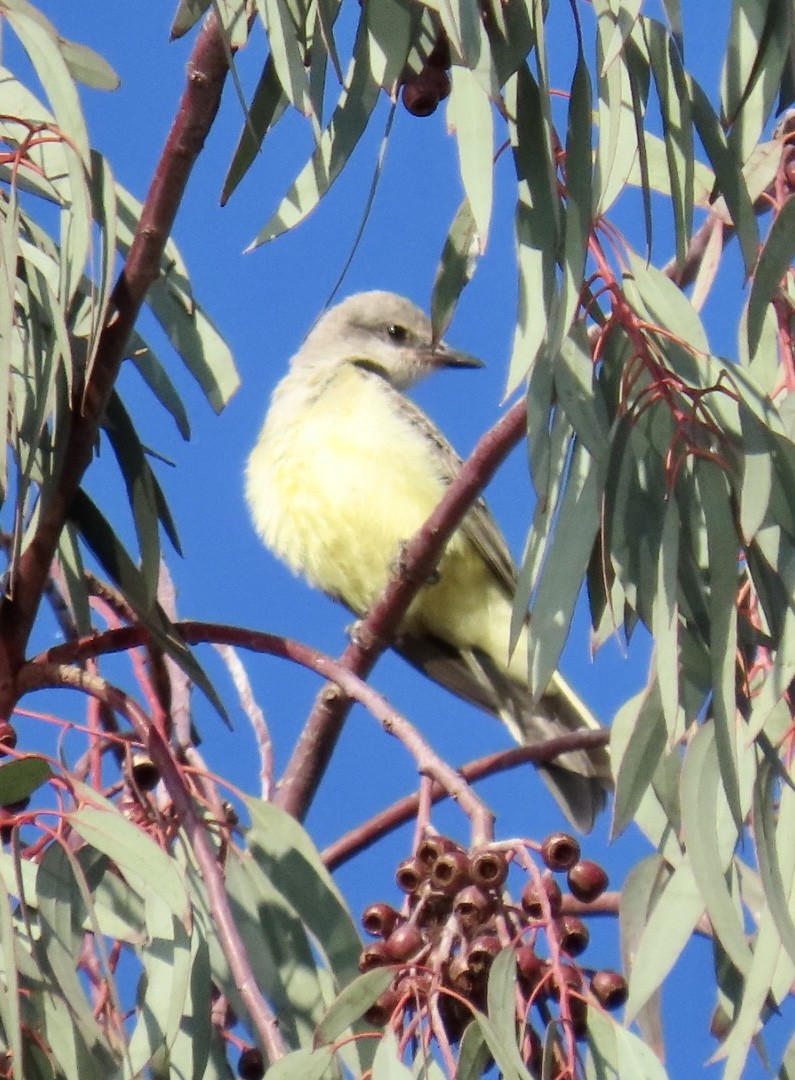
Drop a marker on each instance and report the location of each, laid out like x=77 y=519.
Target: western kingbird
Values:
x=347 y=469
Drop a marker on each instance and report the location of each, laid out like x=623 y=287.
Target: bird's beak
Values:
x=441 y=355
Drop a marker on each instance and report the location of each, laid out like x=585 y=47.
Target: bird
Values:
x=347 y=468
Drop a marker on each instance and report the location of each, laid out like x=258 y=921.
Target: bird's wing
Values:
x=478 y=525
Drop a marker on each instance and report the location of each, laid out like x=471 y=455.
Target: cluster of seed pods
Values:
x=459 y=915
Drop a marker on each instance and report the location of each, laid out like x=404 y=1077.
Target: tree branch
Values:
x=316 y=743
x=206 y=74
x=370 y=832
x=342 y=679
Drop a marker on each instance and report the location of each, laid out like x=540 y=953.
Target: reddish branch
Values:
x=322 y=730
x=403 y=810
x=207 y=69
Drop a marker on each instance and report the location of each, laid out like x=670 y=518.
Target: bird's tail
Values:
x=579 y=779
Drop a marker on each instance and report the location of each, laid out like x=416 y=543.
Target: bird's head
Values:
x=383 y=333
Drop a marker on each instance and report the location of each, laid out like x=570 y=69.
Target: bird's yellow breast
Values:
x=337 y=483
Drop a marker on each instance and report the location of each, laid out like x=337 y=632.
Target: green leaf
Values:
x=504 y=1050
x=772 y=833
x=280 y=953
x=139 y=482
x=670 y=927
x=40 y=41
x=473 y=1054
x=501 y=995
x=538 y=217
x=386 y=1063
x=618 y=1054
x=775 y=926
x=164 y=989
x=286 y=45
x=470 y=115
x=187 y=15
x=579 y=393
x=60 y=942
x=9 y=984
x=380 y=51
x=665 y=618
x=638 y=896
x=115 y=560
x=455 y=270
x=579 y=195
x=144 y=864
x=675 y=107
x=724 y=555
x=728 y=173
x=286 y=853
x=352 y=1003
x=189 y=1053
x=19 y=779
x=658 y=300
x=759 y=37
x=566 y=558
x=774 y=262
x=637 y=762
x=87 y=66
x=617 y=147
x=159 y=382
x=544 y=517
x=268 y=105
x=302 y=1064
x=710 y=837
x=197 y=340
x=758 y=462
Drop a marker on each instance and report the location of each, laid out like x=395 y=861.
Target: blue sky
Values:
x=263 y=303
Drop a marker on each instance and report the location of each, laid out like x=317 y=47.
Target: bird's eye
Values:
x=397 y=333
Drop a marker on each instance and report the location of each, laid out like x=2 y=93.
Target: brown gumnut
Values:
x=482 y=951
x=560 y=851
x=410 y=874
x=380 y=1012
x=434 y=911
x=250 y=1065
x=566 y=974
x=472 y=907
x=374 y=955
x=8 y=738
x=609 y=988
x=380 y=919
x=488 y=869
x=532 y=969
x=450 y=872
x=404 y=942
x=532 y=903
x=789 y=167
x=578 y=1009
x=433 y=847
x=460 y=975
x=572 y=934
x=422 y=93
x=587 y=881
x=144 y=771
